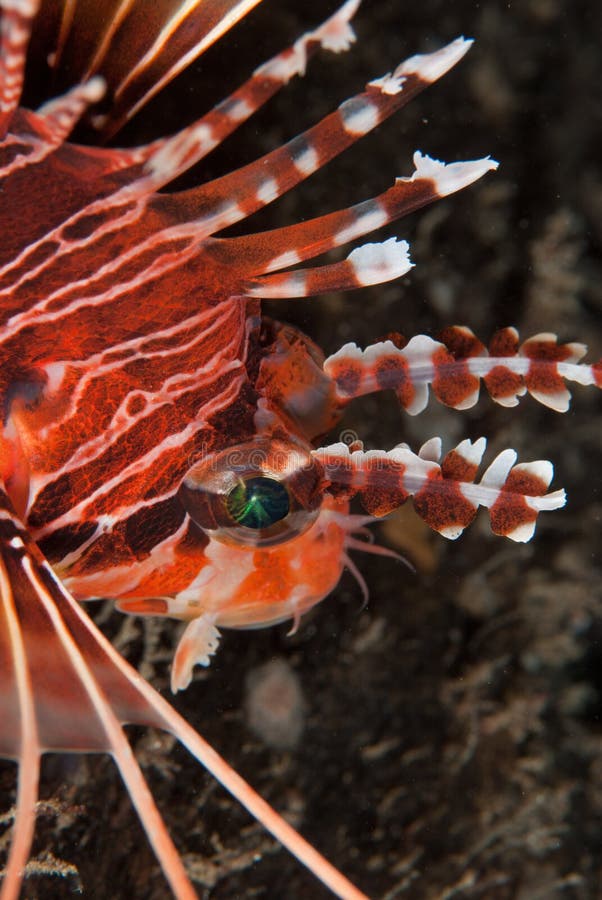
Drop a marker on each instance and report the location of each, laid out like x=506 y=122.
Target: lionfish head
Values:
x=160 y=434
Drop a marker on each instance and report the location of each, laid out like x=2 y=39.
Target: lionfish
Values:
x=161 y=440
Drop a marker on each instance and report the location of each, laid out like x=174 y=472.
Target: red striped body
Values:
x=116 y=365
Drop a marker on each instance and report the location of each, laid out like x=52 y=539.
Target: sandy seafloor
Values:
x=452 y=739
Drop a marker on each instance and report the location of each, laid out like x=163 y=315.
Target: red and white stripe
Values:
x=15 y=29
x=272 y=250
x=454 y=366
x=445 y=494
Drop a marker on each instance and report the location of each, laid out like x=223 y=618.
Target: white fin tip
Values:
x=377 y=263
x=449 y=177
x=431 y=66
x=336 y=34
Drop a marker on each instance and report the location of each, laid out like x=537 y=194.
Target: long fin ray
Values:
x=269 y=251
x=266 y=179
x=16 y=671
x=15 y=30
x=138 y=47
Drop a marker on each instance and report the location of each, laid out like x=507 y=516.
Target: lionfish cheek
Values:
x=275 y=585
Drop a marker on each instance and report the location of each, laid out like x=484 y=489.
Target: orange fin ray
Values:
x=366 y=265
x=61 y=114
x=15 y=31
x=270 y=251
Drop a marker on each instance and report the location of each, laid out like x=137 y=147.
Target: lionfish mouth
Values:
x=150 y=416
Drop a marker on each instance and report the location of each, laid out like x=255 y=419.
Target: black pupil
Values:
x=258 y=502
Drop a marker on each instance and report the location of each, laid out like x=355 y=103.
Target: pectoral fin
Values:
x=64 y=687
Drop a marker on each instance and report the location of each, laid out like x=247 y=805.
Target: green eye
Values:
x=258 y=502
x=242 y=503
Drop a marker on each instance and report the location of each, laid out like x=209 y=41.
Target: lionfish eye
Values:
x=258 y=502
x=260 y=493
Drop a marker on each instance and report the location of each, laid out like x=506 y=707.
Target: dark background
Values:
x=452 y=735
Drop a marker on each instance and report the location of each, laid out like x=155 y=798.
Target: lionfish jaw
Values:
x=256 y=587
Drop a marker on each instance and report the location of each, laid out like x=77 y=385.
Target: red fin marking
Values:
x=504 y=387
x=511 y=516
x=457 y=467
x=453 y=383
x=462 y=342
x=545 y=384
x=505 y=342
x=442 y=505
